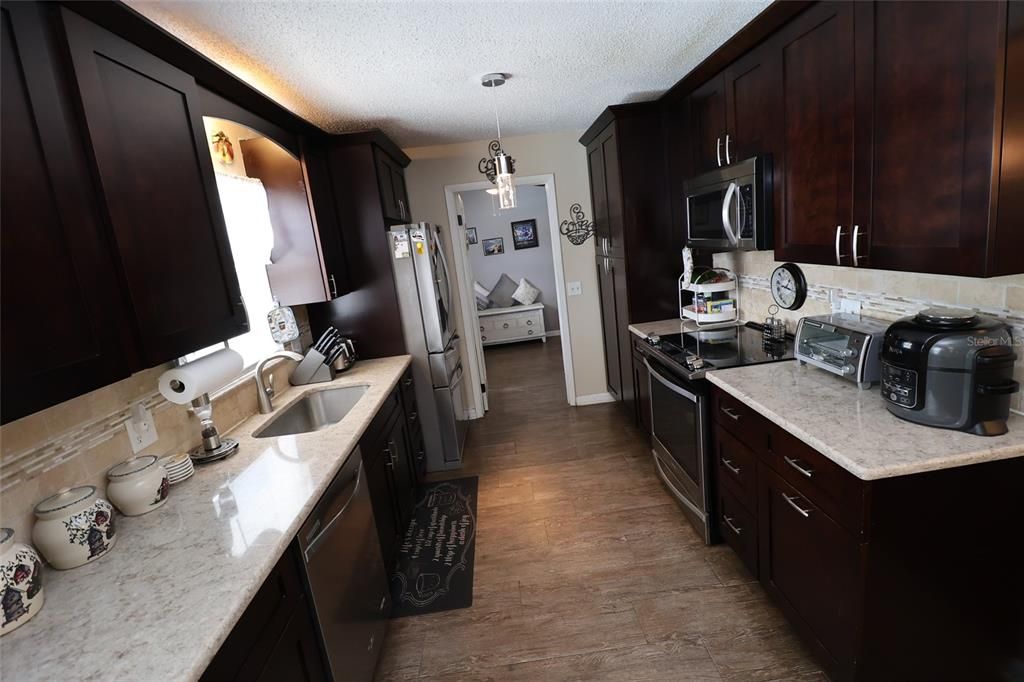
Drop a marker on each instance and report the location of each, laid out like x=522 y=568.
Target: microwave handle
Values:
x=726 y=221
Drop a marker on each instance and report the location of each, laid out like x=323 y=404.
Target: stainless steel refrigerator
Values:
x=425 y=301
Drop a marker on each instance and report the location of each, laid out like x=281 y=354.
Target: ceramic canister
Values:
x=74 y=527
x=21 y=582
x=138 y=485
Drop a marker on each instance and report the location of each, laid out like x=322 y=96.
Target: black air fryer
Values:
x=951 y=369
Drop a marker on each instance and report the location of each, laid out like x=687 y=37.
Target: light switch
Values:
x=574 y=288
x=141 y=428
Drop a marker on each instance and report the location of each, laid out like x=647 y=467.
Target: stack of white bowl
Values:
x=179 y=467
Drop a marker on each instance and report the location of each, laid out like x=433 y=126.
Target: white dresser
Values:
x=508 y=325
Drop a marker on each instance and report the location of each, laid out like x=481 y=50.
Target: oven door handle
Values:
x=669 y=384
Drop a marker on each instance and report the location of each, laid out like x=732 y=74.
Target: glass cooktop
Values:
x=723 y=347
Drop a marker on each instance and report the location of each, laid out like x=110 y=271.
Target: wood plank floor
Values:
x=585 y=567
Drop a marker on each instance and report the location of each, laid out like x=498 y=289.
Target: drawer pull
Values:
x=792 y=503
x=529 y=332
x=795 y=463
x=732 y=526
x=408 y=382
x=383 y=602
x=730 y=466
x=732 y=415
x=369 y=646
x=483 y=338
x=529 y=323
x=505 y=326
x=413 y=417
x=481 y=327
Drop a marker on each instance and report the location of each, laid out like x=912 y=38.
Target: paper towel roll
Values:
x=183 y=384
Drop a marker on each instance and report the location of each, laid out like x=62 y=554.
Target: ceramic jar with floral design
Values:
x=21 y=582
x=74 y=527
x=138 y=485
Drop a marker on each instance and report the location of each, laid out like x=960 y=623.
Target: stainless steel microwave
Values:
x=730 y=208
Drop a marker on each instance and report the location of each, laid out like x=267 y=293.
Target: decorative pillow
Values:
x=526 y=293
x=501 y=294
x=482 y=303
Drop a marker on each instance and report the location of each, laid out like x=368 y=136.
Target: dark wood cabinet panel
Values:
x=1006 y=253
x=817 y=116
x=599 y=192
x=150 y=151
x=391 y=178
x=752 y=103
x=811 y=564
x=609 y=327
x=926 y=96
x=642 y=392
x=376 y=463
x=707 y=125
x=317 y=174
x=275 y=638
x=737 y=525
x=64 y=318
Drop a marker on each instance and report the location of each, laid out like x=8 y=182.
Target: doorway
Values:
x=489 y=238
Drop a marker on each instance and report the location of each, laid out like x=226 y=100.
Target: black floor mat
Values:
x=435 y=562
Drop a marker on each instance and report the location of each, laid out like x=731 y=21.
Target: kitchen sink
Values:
x=314 y=411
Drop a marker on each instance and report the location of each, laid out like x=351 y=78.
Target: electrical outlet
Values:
x=848 y=305
x=574 y=288
x=141 y=428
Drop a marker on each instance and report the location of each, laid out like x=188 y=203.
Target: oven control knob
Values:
x=848 y=369
x=848 y=352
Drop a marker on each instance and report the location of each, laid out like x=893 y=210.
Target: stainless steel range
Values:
x=679 y=395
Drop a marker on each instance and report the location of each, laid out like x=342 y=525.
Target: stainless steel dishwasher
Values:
x=346 y=574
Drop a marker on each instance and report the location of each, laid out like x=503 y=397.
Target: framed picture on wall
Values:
x=494 y=246
x=471 y=235
x=524 y=234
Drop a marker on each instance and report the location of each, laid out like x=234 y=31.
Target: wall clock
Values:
x=789 y=287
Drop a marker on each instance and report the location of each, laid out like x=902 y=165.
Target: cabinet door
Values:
x=378 y=481
x=391 y=178
x=609 y=327
x=613 y=191
x=753 y=104
x=62 y=307
x=317 y=173
x=403 y=474
x=598 y=195
x=401 y=196
x=810 y=563
x=296 y=655
x=708 y=125
x=817 y=79
x=617 y=267
x=926 y=93
x=154 y=165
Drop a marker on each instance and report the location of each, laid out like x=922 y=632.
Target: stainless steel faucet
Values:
x=264 y=393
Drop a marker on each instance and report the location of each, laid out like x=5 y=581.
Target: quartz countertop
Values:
x=162 y=601
x=853 y=428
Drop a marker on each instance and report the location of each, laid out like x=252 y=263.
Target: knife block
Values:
x=312 y=370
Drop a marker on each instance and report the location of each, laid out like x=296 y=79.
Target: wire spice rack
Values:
x=713 y=292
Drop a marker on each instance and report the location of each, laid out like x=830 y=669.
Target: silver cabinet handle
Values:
x=730 y=466
x=839 y=234
x=607 y=267
x=732 y=415
x=728 y=160
x=401 y=207
x=718 y=151
x=732 y=526
x=334 y=287
x=792 y=503
x=369 y=646
x=856 y=238
x=604 y=246
x=383 y=602
x=795 y=463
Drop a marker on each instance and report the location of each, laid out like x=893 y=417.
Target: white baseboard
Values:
x=595 y=399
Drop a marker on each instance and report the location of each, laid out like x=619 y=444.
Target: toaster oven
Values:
x=844 y=344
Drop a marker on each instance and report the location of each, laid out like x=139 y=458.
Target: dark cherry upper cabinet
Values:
x=360 y=189
x=150 y=151
x=707 y=125
x=1006 y=254
x=816 y=128
x=928 y=79
x=62 y=307
x=752 y=104
x=317 y=173
x=391 y=178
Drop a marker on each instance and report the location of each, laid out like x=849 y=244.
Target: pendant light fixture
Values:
x=498 y=166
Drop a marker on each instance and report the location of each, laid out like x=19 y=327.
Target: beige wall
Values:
x=882 y=294
x=562 y=155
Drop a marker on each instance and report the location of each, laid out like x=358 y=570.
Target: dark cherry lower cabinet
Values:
x=392 y=449
x=914 y=577
x=276 y=637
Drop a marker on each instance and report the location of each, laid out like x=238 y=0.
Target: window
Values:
x=251 y=235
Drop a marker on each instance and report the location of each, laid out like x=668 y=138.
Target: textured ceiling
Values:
x=413 y=68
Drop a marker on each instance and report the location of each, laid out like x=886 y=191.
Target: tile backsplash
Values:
x=882 y=294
